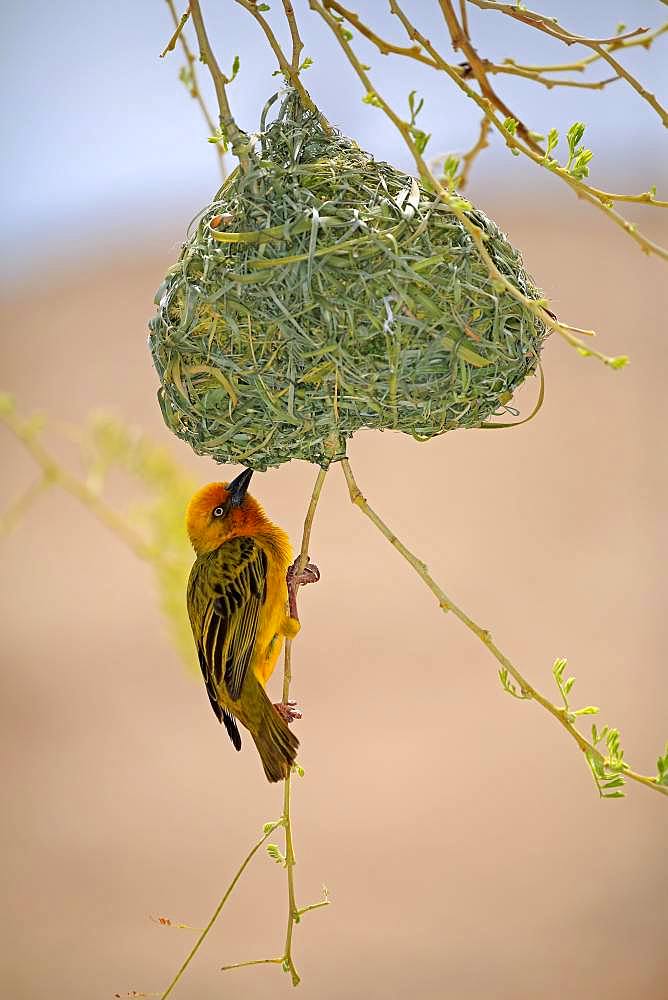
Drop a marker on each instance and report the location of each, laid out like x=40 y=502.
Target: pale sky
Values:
x=101 y=137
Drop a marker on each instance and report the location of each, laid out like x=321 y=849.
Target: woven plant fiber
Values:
x=322 y=292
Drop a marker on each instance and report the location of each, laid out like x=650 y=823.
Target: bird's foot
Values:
x=288 y=711
x=309 y=574
x=296 y=578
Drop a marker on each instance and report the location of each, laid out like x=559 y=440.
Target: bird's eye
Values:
x=218 y=512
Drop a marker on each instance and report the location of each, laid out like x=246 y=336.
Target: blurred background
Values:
x=459 y=833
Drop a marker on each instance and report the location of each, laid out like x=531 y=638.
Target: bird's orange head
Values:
x=221 y=511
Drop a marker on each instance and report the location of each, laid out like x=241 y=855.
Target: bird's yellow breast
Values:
x=274 y=613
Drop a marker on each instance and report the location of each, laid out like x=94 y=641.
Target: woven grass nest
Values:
x=323 y=291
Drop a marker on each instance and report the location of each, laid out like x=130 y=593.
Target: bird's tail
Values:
x=276 y=743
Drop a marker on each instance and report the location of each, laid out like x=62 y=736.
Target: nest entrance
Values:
x=323 y=291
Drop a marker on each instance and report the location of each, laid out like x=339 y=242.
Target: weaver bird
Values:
x=238 y=608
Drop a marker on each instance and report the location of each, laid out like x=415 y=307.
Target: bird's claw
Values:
x=299 y=578
x=288 y=711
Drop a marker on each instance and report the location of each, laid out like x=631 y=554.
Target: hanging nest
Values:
x=323 y=291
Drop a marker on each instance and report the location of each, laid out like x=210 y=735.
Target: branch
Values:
x=297 y=44
x=601 y=199
x=289 y=71
x=190 y=79
x=460 y=40
x=455 y=203
x=238 y=139
x=268 y=830
x=546 y=81
x=27 y=433
x=294 y=912
x=580 y=66
x=562 y=715
x=549 y=26
x=17 y=510
x=481 y=143
x=383 y=46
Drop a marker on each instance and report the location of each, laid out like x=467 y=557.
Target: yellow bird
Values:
x=238 y=607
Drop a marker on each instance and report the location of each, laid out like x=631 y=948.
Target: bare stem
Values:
x=17 y=510
x=581 y=65
x=601 y=46
x=238 y=140
x=54 y=474
x=447 y=604
x=461 y=40
x=289 y=69
x=424 y=51
x=191 y=80
x=454 y=202
x=251 y=854
x=297 y=44
x=293 y=912
x=468 y=158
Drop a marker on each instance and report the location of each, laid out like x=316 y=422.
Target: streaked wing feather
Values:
x=225 y=595
x=232 y=729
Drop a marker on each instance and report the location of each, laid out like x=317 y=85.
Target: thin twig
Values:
x=297 y=44
x=468 y=158
x=464 y=15
x=461 y=41
x=238 y=140
x=293 y=912
x=383 y=46
x=17 y=510
x=546 y=81
x=600 y=199
x=191 y=80
x=290 y=72
x=54 y=473
x=253 y=851
x=447 y=604
x=599 y=45
x=603 y=200
x=456 y=204
x=581 y=65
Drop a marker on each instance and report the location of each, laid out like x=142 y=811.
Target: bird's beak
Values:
x=237 y=488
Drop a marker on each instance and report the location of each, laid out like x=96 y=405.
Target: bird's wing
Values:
x=226 y=591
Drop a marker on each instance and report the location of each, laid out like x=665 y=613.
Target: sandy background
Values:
x=459 y=833
x=467 y=854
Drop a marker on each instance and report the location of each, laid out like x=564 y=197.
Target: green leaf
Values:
x=373 y=99
x=559 y=666
x=415 y=107
x=420 y=138
x=587 y=710
x=275 y=854
x=307 y=63
x=574 y=136
x=614 y=783
x=263 y=7
x=450 y=167
x=510 y=125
